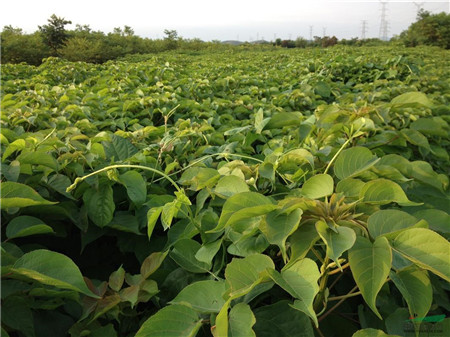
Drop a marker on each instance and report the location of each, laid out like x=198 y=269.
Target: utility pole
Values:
x=363 y=29
x=383 y=34
x=310 y=33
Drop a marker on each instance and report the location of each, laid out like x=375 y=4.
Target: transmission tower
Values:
x=419 y=6
x=310 y=33
x=384 y=25
x=324 y=31
x=363 y=29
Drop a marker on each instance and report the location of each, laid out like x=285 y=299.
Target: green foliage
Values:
x=54 y=33
x=185 y=194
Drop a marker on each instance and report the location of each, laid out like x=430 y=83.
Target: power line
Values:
x=384 y=24
x=363 y=29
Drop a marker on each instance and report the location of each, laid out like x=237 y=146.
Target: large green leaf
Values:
x=425 y=248
x=278 y=226
x=17 y=314
x=52 y=268
x=354 y=161
x=415 y=286
x=318 y=186
x=203 y=296
x=100 y=204
x=243 y=206
x=301 y=242
x=175 y=320
x=281 y=320
x=244 y=274
x=20 y=195
x=38 y=158
x=437 y=220
x=338 y=241
x=370 y=264
x=390 y=222
x=300 y=281
x=199 y=177
x=136 y=186
x=26 y=225
x=383 y=191
x=241 y=320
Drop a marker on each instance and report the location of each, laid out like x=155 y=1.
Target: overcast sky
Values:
x=222 y=20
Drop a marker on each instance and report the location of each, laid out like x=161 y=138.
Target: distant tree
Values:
x=171 y=39
x=301 y=42
x=82 y=49
x=54 y=34
x=429 y=29
x=17 y=47
x=329 y=41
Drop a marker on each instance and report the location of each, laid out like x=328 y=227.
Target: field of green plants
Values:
x=292 y=193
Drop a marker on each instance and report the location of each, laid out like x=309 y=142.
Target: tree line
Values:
x=87 y=45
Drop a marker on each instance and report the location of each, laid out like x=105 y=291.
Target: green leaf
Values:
x=198 y=178
x=300 y=281
x=53 y=269
x=390 y=222
x=415 y=286
x=431 y=127
x=354 y=161
x=281 y=320
x=277 y=226
x=322 y=89
x=17 y=314
x=152 y=263
x=413 y=99
x=370 y=264
x=281 y=119
x=202 y=296
x=229 y=186
x=241 y=320
x=136 y=186
x=318 y=186
x=175 y=320
x=119 y=149
x=17 y=145
x=38 y=158
x=100 y=204
x=338 y=241
x=207 y=251
x=243 y=206
x=244 y=274
x=26 y=225
x=416 y=138
x=301 y=242
x=183 y=254
x=260 y=122
x=116 y=279
x=350 y=187
x=437 y=220
x=425 y=248
x=152 y=217
x=20 y=195
x=383 y=191
x=371 y=333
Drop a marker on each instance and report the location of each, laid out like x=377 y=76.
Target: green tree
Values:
x=17 y=47
x=429 y=29
x=171 y=39
x=54 y=34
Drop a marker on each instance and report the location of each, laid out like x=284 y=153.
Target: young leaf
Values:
x=371 y=333
x=229 y=186
x=172 y=321
x=119 y=149
x=152 y=263
x=338 y=241
x=202 y=296
x=425 y=248
x=53 y=269
x=152 y=217
x=116 y=279
x=20 y=195
x=370 y=264
x=26 y=225
x=318 y=186
x=183 y=254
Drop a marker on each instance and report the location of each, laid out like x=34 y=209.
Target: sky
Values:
x=223 y=20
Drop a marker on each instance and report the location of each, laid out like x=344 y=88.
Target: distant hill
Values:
x=233 y=42
x=260 y=42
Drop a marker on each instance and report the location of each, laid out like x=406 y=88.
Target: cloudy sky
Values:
x=222 y=20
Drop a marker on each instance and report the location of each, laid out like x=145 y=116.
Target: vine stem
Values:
x=111 y=167
x=321 y=318
x=337 y=154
